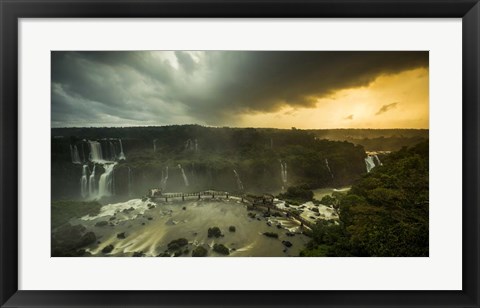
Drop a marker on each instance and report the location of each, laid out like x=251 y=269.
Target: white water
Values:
x=122 y=155
x=328 y=167
x=196 y=145
x=75 y=155
x=106 y=182
x=284 y=174
x=185 y=179
x=379 y=163
x=95 y=151
x=163 y=183
x=239 y=182
x=92 y=188
x=369 y=163
x=113 y=154
x=138 y=205
x=84 y=182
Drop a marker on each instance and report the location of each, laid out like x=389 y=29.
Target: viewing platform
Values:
x=264 y=202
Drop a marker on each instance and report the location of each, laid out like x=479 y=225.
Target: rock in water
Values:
x=221 y=249
x=107 y=249
x=199 y=252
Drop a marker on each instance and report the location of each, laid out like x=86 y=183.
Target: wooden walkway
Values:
x=254 y=202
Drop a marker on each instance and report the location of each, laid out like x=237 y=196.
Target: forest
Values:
x=385 y=213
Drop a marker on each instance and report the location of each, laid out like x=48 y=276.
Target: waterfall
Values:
x=84 y=182
x=328 y=167
x=75 y=155
x=284 y=174
x=239 y=182
x=163 y=183
x=129 y=181
x=113 y=154
x=106 y=182
x=379 y=163
x=95 y=151
x=196 y=145
x=370 y=164
x=185 y=179
x=154 y=145
x=122 y=155
x=84 y=158
x=91 y=183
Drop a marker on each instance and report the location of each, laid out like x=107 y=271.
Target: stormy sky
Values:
x=311 y=89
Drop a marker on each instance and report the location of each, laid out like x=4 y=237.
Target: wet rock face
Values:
x=67 y=241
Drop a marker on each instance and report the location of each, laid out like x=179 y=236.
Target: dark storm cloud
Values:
x=386 y=108
x=137 y=88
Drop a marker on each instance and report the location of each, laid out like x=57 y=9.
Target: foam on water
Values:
x=139 y=208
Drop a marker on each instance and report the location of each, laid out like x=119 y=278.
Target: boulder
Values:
x=107 y=249
x=199 y=252
x=176 y=244
x=271 y=234
x=121 y=235
x=214 y=232
x=87 y=239
x=138 y=254
x=232 y=229
x=221 y=249
x=287 y=243
x=102 y=223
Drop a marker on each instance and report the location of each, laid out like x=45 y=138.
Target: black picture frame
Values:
x=12 y=10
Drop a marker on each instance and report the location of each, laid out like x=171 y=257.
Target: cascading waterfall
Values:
x=154 y=145
x=84 y=158
x=196 y=145
x=92 y=188
x=328 y=167
x=239 y=182
x=121 y=156
x=75 y=155
x=379 y=163
x=95 y=151
x=163 y=183
x=370 y=164
x=84 y=182
x=284 y=174
x=113 y=154
x=185 y=179
x=106 y=183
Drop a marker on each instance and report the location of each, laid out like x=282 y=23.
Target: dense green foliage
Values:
x=376 y=139
x=297 y=194
x=63 y=211
x=384 y=214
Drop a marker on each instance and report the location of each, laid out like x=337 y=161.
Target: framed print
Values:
x=321 y=153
